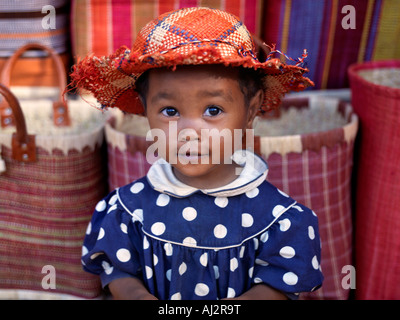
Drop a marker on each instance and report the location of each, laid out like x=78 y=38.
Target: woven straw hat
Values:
x=190 y=36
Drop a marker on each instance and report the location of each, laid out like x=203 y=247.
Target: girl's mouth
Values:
x=193 y=157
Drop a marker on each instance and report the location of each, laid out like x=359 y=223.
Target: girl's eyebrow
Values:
x=225 y=94
x=162 y=95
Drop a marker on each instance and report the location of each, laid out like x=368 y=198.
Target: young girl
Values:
x=202 y=224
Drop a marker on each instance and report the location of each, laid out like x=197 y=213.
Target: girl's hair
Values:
x=250 y=81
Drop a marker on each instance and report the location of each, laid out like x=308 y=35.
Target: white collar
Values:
x=254 y=172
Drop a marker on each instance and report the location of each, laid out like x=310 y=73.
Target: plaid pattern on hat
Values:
x=190 y=36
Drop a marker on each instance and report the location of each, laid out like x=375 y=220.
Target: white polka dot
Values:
x=124 y=228
x=112 y=208
x=149 y=272
x=201 y=289
x=233 y=264
x=113 y=200
x=287 y=252
x=216 y=272
x=162 y=200
x=176 y=296
x=101 y=206
x=221 y=202
x=314 y=214
x=277 y=210
x=252 y=193
x=204 y=259
x=137 y=187
x=262 y=262
x=85 y=251
x=146 y=244
x=101 y=234
x=284 y=225
x=311 y=233
x=298 y=208
x=137 y=215
x=283 y=193
x=168 y=274
x=89 y=228
x=251 y=270
x=123 y=255
x=290 y=278
x=256 y=243
x=168 y=249
x=108 y=269
x=247 y=220
x=182 y=268
x=241 y=253
x=315 y=263
x=220 y=231
x=257 y=280
x=264 y=237
x=231 y=293
x=189 y=241
x=155 y=259
x=158 y=228
x=189 y=213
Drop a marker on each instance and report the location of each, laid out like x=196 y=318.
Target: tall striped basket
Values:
x=52 y=174
x=336 y=33
x=309 y=151
x=375 y=88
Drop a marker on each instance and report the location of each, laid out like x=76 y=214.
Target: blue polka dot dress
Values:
x=204 y=244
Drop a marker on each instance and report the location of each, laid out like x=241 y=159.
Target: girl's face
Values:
x=198 y=108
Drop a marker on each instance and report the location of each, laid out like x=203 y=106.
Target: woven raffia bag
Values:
x=375 y=88
x=309 y=151
x=50 y=182
x=126 y=145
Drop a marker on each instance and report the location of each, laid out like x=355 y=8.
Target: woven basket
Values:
x=378 y=183
x=20 y=24
x=50 y=182
x=310 y=157
x=23 y=22
x=127 y=145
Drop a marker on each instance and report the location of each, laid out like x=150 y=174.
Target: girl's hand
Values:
x=260 y=292
x=129 y=289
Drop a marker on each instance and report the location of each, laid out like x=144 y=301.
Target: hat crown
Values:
x=197 y=27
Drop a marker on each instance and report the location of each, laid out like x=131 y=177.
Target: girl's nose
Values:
x=189 y=129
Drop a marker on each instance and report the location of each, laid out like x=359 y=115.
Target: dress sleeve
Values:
x=112 y=242
x=289 y=253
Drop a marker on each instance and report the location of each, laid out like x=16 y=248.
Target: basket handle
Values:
x=60 y=109
x=22 y=144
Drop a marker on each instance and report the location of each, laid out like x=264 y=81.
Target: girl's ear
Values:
x=254 y=105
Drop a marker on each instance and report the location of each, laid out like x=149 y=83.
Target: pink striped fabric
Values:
x=102 y=26
x=124 y=166
x=321 y=181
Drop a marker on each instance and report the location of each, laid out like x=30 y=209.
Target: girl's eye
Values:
x=212 y=111
x=169 y=112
